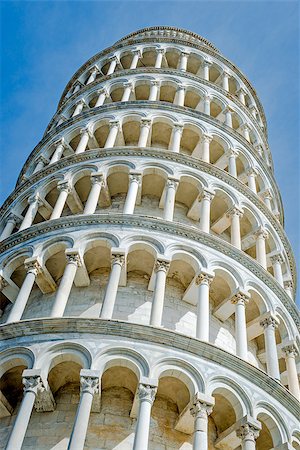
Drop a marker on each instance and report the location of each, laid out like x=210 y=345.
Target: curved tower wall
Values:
x=147 y=284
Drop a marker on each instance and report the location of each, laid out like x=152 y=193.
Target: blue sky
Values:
x=44 y=43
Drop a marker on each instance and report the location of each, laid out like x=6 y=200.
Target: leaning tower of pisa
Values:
x=147 y=283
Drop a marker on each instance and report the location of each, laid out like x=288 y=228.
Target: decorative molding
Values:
x=150 y=223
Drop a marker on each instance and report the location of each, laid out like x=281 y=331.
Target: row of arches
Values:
x=162 y=132
x=166 y=57
x=151 y=190
x=121 y=373
x=166 y=89
x=135 y=280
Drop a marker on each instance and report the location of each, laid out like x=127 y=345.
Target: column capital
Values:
x=43 y=159
x=128 y=84
x=136 y=51
x=161 y=50
x=178 y=126
x=81 y=101
x=181 y=87
x=60 y=141
x=204 y=277
x=114 y=58
x=228 y=109
x=185 y=53
x=161 y=264
x=251 y=171
x=207 y=62
x=267 y=194
x=145 y=122
x=73 y=257
x=240 y=297
x=276 y=259
x=235 y=211
x=248 y=432
x=33 y=265
x=94 y=69
x=97 y=177
x=245 y=127
x=206 y=194
x=288 y=284
x=89 y=382
x=259 y=149
x=86 y=129
x=172 y=182
x=206 y=138
x=232 y=152
x=290 y=349
x=202 y=405
x=241 y=91
x=32 y=381
x=225 y=74
x=114 y=123
x=269 y=321
x=35 y=198
x=147 y=393
x=102 y=90
x=155 y=83
x=64 y=185
x=261 y=233
x=12 y=217
x=135 y=177
x=117 y=258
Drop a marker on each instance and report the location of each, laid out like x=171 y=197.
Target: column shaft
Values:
x=22 y=297
x=146 y=397
x=171 y=187
x=112 y=135
x=101 y=99
x=235 y=228
x=131 y=194
x=8 y=229
x=202 y=326
x=65 y=287
x=176 y=138
x=135 y=59
x=153 y=91
x=21 y=423
x=60 y=203
x=112 y=288
x=30 y=214
x=83 y=142
x=112 y=66
x=159 y=58
x=239 y=300
x=269 y=326
x=144 y=133
x=57 y=153
x=92 y=200
x=161 y=268
x=261 y=256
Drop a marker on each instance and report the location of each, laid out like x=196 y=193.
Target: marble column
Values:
x=203 y=281
x=41 y=163
x=269 y=325
x=232 y=155
x=89 y=386
x=253 y=111
x=34 y=203
x=235 y=215
x=176 y=137
x=144 y=132
x=102 y=94
x=289 y=288
x=134 y=182
x=117 y=261
x=206 y=199
x=97 y=182
x=146 y=396
x=206 y=65
x=11 y=222
x=240 y=299
x=113 y=64
x=128 y=88
x=32 y=386
x=135 y=59
x=225 y=81
x=79 y=107
x=205 y=141
x=159 y=56
x=228 y=116
x=114 y=126
x=93 y=74
x=183 y=61
x=85 y=134
x=66 y=283
x=33 y=268
x=290 y=352
x=154 y=90
x=252 y=174
x=180 y=95
x=200 y=410
x=207 y=100
x=267 y=197
x=241 y=95
x=60 y=146
x=246 y=133
x=171 y=187
x=261 y=236
x=276 y=261
x=64 y=189
x=248 y=435
x=161 y=268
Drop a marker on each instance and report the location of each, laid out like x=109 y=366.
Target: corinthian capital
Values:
x=204 y=277
x=33 y=265
x=89 y=384
x=33 y=384
x=147 y=393
x=247 y=432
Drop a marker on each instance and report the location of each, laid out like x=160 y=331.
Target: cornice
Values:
x=202 y=48
x=77 y=327
x=165 y=155
x=117 y=106
x=165 y=71
x=150 y=223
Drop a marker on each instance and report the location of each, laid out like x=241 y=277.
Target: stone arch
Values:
x=120 y=356
x=272 y=424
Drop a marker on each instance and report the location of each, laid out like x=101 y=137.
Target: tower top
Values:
x=165 y=31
